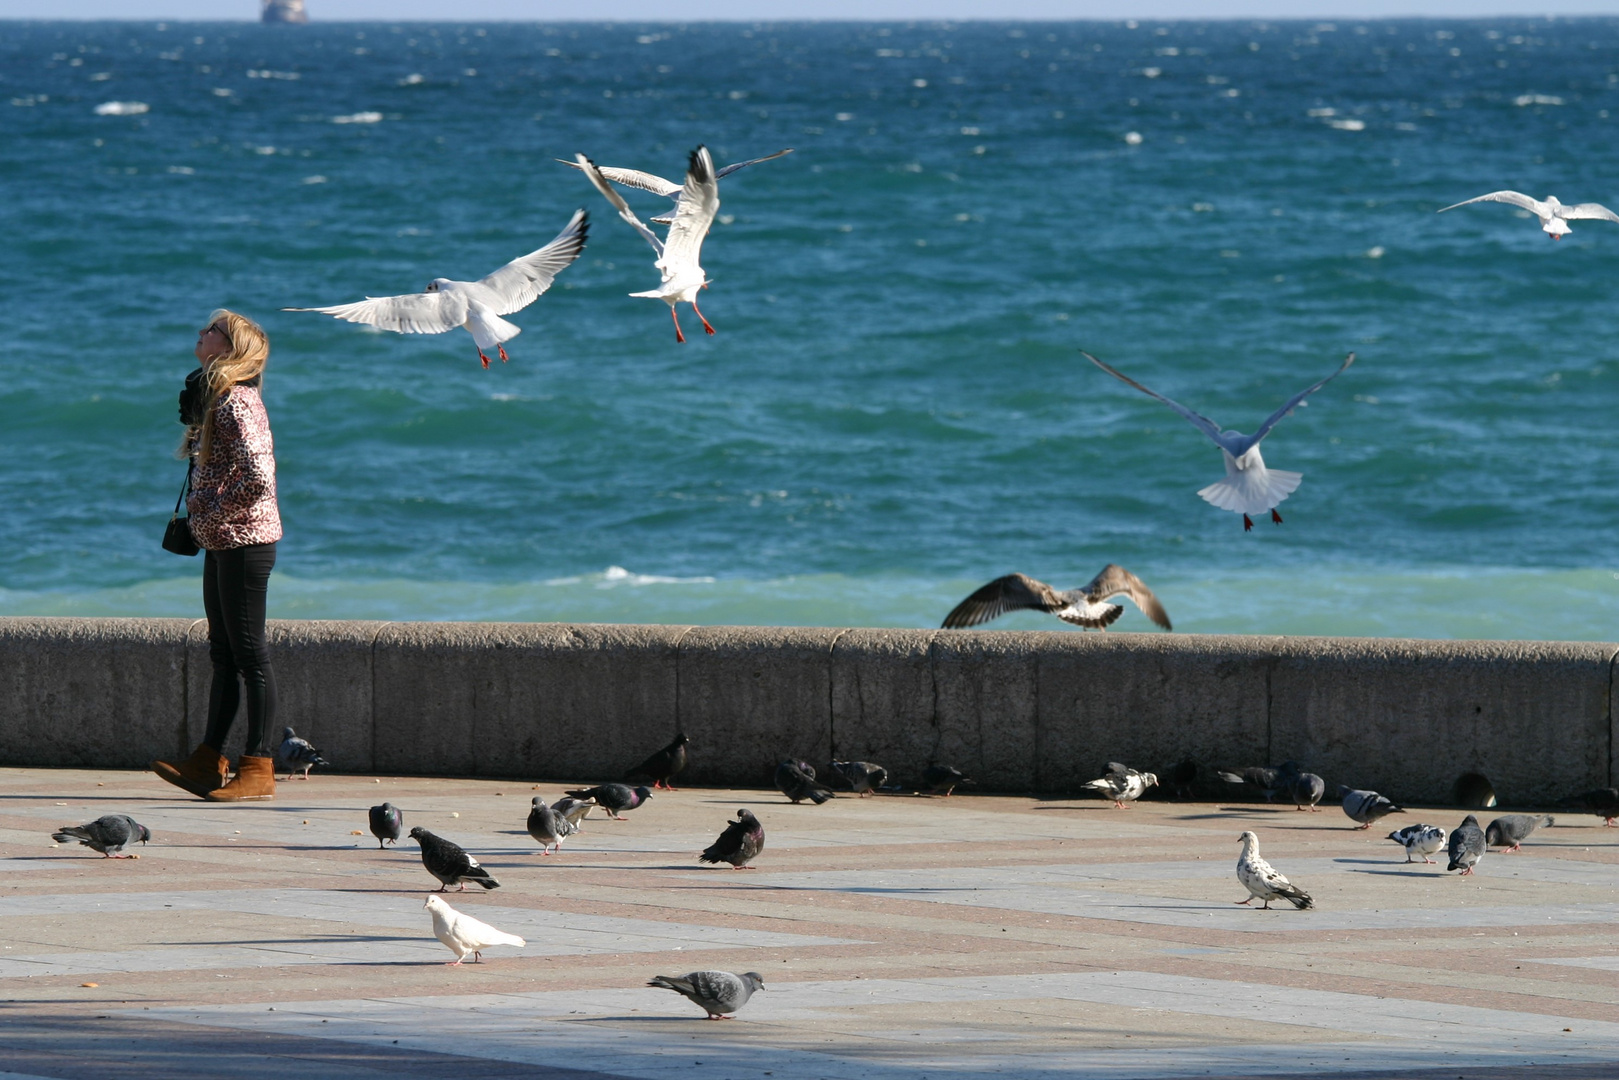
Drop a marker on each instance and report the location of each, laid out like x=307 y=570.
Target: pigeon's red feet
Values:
x=1274 y=516
x=484 y=358
x=503 y=358
x=1244 y=903
x=1247 y=522
x=1467 y=871
x=1368 y=825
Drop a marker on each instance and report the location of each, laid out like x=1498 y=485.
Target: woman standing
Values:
x=234 y=518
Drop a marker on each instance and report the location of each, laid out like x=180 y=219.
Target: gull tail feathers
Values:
x=489 y=329
x=1252 y=490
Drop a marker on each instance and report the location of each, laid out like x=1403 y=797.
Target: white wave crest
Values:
x=122 y=108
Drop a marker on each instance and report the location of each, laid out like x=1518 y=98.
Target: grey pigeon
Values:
x=1511 y=830
x=718 y=992
x=942 y=779
x=298 y=754
x=108 y=834
x=662 y=767
x=614 y=797
x=547 y=826
x=1602 y=801
x=1467 y=846
x=1305 y=789
x=741 y=841
x=1473 y=791
x=1366 y=806
x=386 y=823
x=863 y=777
x=1122 y=784
x=1267 y=780
x=1263 y=881
x=446 y=861
x=1421 y=840
x=575 y=810
x=796 y=780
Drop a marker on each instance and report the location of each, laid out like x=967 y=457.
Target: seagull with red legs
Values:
x=678 y=255
x=475 y=306
x=1249 y=487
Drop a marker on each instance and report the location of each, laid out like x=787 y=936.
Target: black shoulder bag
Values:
x=177 y=537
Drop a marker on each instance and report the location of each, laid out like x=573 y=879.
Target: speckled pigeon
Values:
x=446 y=861
x=1263 y=881
x=614 y=797
x=108 y=834
x=1122 y=784
x=1467 y=845
x=742 y=839
x=1511 y=830
x=1421 y=840
x=718 y=992
x=386 y=823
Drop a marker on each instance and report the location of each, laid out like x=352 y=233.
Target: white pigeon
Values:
x=462 y=934
x=1554 y=216
x=645 y=181
x=475 y=306
x=1263 y=881
x=1122 y=784
x=1249 y=487
x=678 y=256
x=1421 y=840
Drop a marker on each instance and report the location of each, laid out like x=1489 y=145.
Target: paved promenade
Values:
x=900 y=938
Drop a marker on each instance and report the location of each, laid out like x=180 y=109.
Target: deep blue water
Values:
x=894 y=409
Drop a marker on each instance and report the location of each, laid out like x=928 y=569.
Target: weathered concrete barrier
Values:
x=1017 y=711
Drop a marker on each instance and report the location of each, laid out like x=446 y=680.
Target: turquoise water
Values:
x=894 y=409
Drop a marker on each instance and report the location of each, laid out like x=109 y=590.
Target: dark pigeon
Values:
x=1180 y=778
x=663 y=766
x=108 y=835
x=298 y=754
x=1473 y=791
x=548 y=827
x=942 y=780
x=741 y=841
x=1511 y=830
x=718 y=992
x=1602 y=801
x=1306 y=789
x=797 y=782
x=613 y=797
x=1269 y=781
x=386 y=823
x=863 y=777
x=1366 y=806
x=1467 y=846
x=451 y=865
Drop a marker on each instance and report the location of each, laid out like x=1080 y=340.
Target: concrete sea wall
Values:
x=1018 y=711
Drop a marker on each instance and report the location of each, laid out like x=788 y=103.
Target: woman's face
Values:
x=212 y=343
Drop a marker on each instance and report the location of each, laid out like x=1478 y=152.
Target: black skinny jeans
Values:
x=235 y=583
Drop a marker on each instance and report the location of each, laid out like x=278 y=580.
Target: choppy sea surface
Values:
x=894 y=409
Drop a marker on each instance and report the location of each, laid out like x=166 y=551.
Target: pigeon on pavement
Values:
x=1366 y=806
x=1602 y=801
x=663 y=766
x=298 y=754
x=863 y=777
x=1087 y=607
x=1122 y=784
x=1511 y=830
x=742 y=839
x=449 y=863
x=718 y=992
x=1267 y=780
x=547 y=826
x=613 y=797
x=462 y=934
x=1262 y=880
x=796 y=780
x=1467 y=845
x=942 y=780
x=1421 y=840
x=1305 y=789
x=386 y=823
x=1180 y=777
x=108 y=834
x=1473 y=791
x=575 y=810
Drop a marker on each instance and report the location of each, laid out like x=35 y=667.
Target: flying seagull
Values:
x=678 y=256
x=1249 y=487
x=1554 y=216
x=475 y=306
x=635 y=178
x=1086 y=607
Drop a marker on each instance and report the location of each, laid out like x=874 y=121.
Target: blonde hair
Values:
x=248 y=355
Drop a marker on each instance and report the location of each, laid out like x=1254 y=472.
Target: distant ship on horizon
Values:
x=285 y=11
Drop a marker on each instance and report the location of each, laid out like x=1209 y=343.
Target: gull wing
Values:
x=729 y=169
x=1515 y=198
x=520 y=282
x=699 y=202
x=414 y=313
x=634 y=178
x=1202 y=423
x=1294 y=401
x=1115 y=580
x=1014 y=592
x=1589 y=210
x=623 y=208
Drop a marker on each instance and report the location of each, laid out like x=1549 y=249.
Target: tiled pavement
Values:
x=900 y=938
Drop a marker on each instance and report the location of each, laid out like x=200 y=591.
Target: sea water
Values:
x=894 y=409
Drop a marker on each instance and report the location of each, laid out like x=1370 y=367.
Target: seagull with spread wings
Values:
x=476 y=306
x=1087 y=607
x=1554 y=216
x=678 y=255
x=1249 y=487
x=645 y=181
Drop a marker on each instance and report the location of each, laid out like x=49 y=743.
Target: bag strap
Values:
x=185 y=488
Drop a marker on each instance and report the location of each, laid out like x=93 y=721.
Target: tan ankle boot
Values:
x=255 y=779
x=204 y=771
